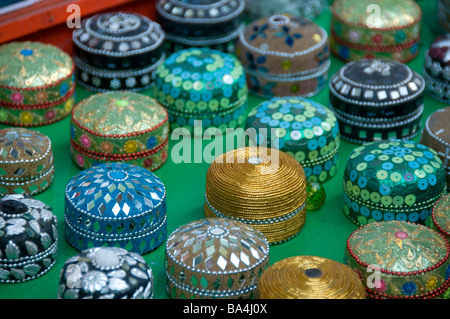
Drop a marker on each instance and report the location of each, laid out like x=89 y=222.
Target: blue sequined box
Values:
x=116 y=205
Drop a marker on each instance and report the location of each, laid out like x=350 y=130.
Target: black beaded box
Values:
x=377 y=99
x=117 y=51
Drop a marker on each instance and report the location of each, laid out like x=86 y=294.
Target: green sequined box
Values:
x=392 y=180
x=215 y=258
x=304 y=129
x=203 y=90
x=36 y=84
x=119 y=127
x=441 y=216
x=399 y=260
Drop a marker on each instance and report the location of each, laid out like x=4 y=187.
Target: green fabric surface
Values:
x=324 y=234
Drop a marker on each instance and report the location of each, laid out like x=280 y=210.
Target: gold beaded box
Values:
x=37 y=84
x=284 y=55
x=119 y=127
x=262 y=187
x=399 y=259
x=26 y=161
x=215 y=258
x=310 y=277
x=387 y=29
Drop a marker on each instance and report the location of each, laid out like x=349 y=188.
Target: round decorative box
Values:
x=105 y=273
x=28 y=238
x=119 y=127
x=437 y=69
x=302 y=128
x=441 y=216
x=377 y=99
x=239 y=182
x=384 y=29
x=284 y=55
x=392 y=180
x=310 y=277
x=436 y=135
x=201 y=84
x=115 y=205
x=117 y=51
x=26 y=161
x=257 y=9
x=398 y=259
x=215 y=258
x=36 y=84
x=201 y=23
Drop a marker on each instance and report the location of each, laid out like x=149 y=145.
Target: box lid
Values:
x=441 y=215
x=34 y=73
x=118 y=41
x=376 y=88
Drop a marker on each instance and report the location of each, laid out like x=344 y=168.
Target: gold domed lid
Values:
x=310 y=277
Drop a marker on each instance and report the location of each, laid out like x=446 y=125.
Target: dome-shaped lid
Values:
x=388 y=14
x=284 y=35
x=116 y=191
x=396 y=174
x=301 y=125
x=310 y=277
x=33 y=65
x=118 y=113
x=24 y=154
x=441 y=215
x=217 y=245
x=399 y=247
x=118 y=40
x=27 y=228
x=200 y=11
x=106 y=273
x=376 y=87
x=200 y=81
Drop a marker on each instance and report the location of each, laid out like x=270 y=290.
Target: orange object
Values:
x=45 y=21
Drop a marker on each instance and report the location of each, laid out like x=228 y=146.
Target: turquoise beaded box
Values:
x=205 y=85
x=392 y=180
x=304 y=129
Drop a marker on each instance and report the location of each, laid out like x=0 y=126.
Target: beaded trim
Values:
x=392 y=207
x=438 y=90
x=284 y=54
x=152 y=26
x=256 y=221
x=180 y=19
x=205 y=41
x=210 y=293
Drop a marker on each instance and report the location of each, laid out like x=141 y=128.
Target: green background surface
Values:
x=324 y=234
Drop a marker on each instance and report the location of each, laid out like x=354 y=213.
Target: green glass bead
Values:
x=315 y=196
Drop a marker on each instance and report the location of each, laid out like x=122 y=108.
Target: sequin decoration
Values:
x=115 y=204
x=304 y=129
x=26 y=161
x=119 y=127
x=106 y=273
x=28 y=238
x=392 y=180
x=408 y=260
x=202 y=84
x=215 y=258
